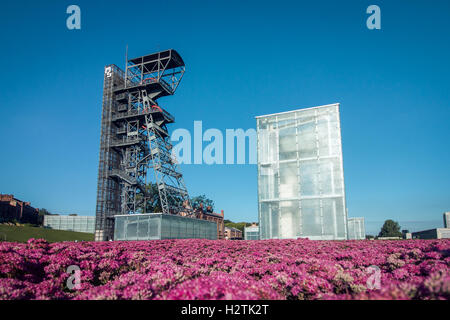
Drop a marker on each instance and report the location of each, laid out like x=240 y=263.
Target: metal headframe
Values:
x=135 y=146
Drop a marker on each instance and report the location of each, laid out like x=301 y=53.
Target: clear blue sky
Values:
x=244 y=58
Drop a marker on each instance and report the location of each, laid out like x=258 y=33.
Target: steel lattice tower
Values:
x=135 y=146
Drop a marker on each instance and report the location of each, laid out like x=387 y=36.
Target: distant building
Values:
x=389 y=238
x=15 y=209
x=71 y=222
x=356 y=229
x=233 y=233
x=251 y=232
x=446 y=219
x=406 y=234
x=438 y=233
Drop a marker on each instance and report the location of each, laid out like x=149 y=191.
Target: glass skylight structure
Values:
x=70 y=223
x=300 y=175
x=356 y=229
x=251 y=233
x=156 y=226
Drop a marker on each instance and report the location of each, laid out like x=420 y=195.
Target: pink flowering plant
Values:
x=205 y=269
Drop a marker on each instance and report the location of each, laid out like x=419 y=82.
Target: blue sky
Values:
x=243 y=59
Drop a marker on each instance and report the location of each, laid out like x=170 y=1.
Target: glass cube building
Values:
x=300 y=175
x=251 y=233
x=70 y=223
x=446 y=219
x=157 y=226
x=356 y=229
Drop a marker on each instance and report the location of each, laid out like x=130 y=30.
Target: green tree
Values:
x=195 y=202
x=153 y=203
x=44 y=212
x=153 y=199
x=390 y=228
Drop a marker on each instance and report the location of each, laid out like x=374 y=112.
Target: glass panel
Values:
x=309 y=178
x=264 y=220
x=311 y=221
x=165 y=229
x=119 y=232
x=153 y=227
x=131 y=228
x=287 y=140
x=143 y=228
x=330 y=226
x=190 y=229
x=307 y=139
x=289 y=219
x=341 y=217
x=274 y=220
x=288 y=181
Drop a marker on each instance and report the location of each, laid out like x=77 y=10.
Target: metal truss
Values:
x=135 y=144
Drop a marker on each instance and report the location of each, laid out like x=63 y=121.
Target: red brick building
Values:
x=215 y=217
x=15 y=209
x=207 y=214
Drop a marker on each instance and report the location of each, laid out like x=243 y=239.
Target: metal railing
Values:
x=137 y=112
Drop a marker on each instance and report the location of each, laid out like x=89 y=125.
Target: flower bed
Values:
x=205 y=269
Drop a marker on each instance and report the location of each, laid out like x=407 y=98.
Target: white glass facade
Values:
x=300 y=175
x=447 y=220
x=251 y=233
x=356 y=229
x=70 y=223
x=156 y=226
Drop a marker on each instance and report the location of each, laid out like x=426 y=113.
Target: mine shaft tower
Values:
x=135 y=147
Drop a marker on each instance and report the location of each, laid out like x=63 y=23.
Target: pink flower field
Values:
x=205 y=269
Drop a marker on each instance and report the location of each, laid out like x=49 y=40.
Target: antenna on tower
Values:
x=126 y=64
